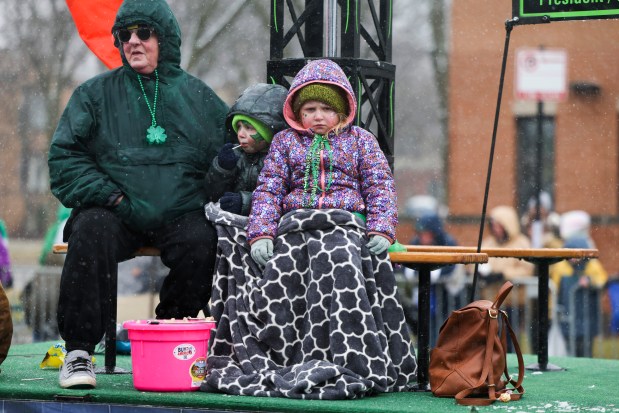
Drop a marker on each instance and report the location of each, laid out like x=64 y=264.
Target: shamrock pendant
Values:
x=155 y=135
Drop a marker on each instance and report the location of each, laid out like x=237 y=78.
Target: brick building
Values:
x=581 y=135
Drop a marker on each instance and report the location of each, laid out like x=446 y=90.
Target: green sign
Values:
x=544 y=11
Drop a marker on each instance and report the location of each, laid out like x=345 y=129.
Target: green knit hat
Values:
x=327 y=93
x=265 y=132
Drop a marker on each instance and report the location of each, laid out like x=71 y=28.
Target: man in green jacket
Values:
x=130 y=155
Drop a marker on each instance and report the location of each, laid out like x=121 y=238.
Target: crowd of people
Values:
x=582 y=288
x=274 y=216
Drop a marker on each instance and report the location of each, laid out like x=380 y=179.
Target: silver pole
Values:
x=330 y=24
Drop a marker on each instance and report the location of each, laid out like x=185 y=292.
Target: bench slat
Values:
x=144 y=251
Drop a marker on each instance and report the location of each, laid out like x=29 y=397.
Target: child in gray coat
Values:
x=255 y=117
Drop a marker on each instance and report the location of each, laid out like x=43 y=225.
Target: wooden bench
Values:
x=144 y=251
x=110 y=329
x=423 y=259
x=424 y=262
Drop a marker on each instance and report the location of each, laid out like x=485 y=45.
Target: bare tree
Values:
x=42 y=41
x=440 y=59
x=421 y=58
x=225 y=43
x=438 y=23
x=206 y=23
x=43 y=34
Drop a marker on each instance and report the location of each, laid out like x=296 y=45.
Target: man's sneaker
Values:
x=77 y=371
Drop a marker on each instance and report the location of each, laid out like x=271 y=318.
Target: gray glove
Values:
x=262 y=251
x=377 y=245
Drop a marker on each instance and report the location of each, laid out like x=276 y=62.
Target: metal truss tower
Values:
x=356 y=34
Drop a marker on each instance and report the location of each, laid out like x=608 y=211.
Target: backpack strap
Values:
x=502 y=294
x=516 y=384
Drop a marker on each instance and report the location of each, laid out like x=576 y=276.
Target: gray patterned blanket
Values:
x=321 y=321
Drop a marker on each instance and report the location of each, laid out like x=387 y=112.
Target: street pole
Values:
x=537 y=226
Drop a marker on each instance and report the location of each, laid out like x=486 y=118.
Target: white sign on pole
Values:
x=541 y=74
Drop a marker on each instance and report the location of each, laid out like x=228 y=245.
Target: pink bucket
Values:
x=169 y=355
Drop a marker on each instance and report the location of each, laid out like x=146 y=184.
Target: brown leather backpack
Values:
x=469 y=359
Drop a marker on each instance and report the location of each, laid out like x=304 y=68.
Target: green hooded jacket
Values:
x=99 y=148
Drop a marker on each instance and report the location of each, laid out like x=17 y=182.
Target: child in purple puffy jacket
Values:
x=323 y=161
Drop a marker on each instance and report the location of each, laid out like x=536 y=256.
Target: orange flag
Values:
x=94 y=20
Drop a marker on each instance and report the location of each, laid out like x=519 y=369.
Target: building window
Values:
x=527 y=158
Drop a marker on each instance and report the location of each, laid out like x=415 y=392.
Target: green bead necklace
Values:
x=312 y=168
x=154 y=134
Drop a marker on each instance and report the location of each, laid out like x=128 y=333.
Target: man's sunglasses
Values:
x=143 y=32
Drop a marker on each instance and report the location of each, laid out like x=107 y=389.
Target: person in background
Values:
x=611 y=303
x=54 y=236
x=6 y=277
x=503 y=231
x=255 y=117
x=544 y=234
x=130 y=155
x=579 y=284
x=38 y=297
x=576 y=224
x=6 y=321
x=444 y=297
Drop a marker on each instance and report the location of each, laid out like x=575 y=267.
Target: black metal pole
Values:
x=109 y=366
x=537 y=230
x=110 y=333
x=540 y=150
x=542 y=315
x=423 y=329
x=110 y=330
x=509 y=24
x=542 y=311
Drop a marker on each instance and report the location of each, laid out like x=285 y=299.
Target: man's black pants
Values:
x=98 y=240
